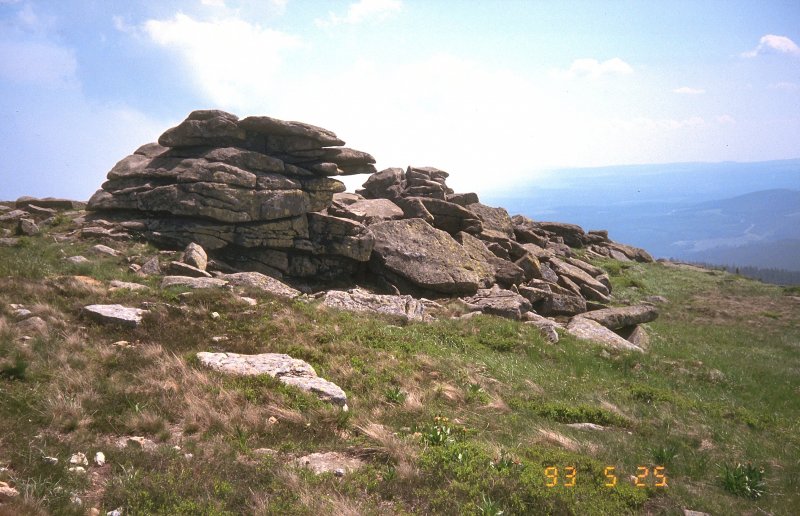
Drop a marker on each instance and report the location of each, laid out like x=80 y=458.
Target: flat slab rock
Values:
x=621 y=317
x=260 y=281
x=288 y=370
x=357 y=300
x=115 y=314
x=587 y=329
x=330 y=462
x=186 y=281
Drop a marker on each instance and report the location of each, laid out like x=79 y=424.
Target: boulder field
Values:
x=260 y=195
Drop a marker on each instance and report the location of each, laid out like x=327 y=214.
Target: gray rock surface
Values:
x=195 y=283
x=425 y=257
x=621 y=317
x=195 y=256
x=357 y=300
x=329 y=462
x=261 y=282
x=587 y=329
x=498 y=301
x=115 y=314
x=288 y=370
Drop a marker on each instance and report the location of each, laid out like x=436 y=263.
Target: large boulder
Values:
x=410 y=253
x=451 y=217
x=367 y=211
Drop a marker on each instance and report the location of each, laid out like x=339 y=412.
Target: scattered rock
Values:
x=118 y=285
x=151 y=267
x=115 y=314
x=195 y=256
x=13 y=215
x=185 y=281
x=586 y=426
x=77 y=260
x=184 y=269
x=546 y=326
x=100 y=458
x=137 y=442
x=27 y=227
x=357 y=300
x=9 y=242
x=288 y=370
x=33 y=326
x=7 y=493
x=79 y=459
x=104 y=249
x=50 y=460
x=588 y=329
x=77 y=469
x=689 y=512
x=330 y=462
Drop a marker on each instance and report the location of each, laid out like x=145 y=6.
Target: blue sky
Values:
x=493 y=92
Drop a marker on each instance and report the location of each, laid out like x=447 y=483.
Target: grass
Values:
x=450 y=417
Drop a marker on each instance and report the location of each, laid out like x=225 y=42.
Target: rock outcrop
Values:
x=257 y=195
x=245 y=189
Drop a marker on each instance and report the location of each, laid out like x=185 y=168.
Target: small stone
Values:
x=134 y=268
x=115 y=512
x=100 y=458
x=219 y=338
x=75 y=499
x=7 y=492
x=188 y=456
x=215 y=316
x=586 y=426
x=22 y=313
x=33 y=326
x=122 y=344
x=79 y=459
x=117 y=285
x=136 y=442
x=151 y=267
x=77 y=260
x=249 y=301
x=77 y=469
x=50 y=460
x=272 y=420
x=339 y=472
x=103 y=249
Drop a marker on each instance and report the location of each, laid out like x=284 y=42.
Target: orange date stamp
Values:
x=567 y=476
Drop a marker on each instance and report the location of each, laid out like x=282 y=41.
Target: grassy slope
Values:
x=452 y=417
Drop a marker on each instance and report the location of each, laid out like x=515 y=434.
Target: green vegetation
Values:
x=450 y=417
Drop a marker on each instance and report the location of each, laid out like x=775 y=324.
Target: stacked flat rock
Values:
x=248 y=190
x=459 y=246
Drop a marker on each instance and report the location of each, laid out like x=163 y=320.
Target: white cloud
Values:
x=221 y=54
x=726 y=120
x=686 y=90
x=213 y=3
x=784 y=86
x=650 y=124
x=774 y=44
x=594 y=69
x=362 y=11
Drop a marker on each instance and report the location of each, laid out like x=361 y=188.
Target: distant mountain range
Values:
x=744 y=214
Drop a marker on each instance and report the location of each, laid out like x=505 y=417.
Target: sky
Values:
x=492 y=92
